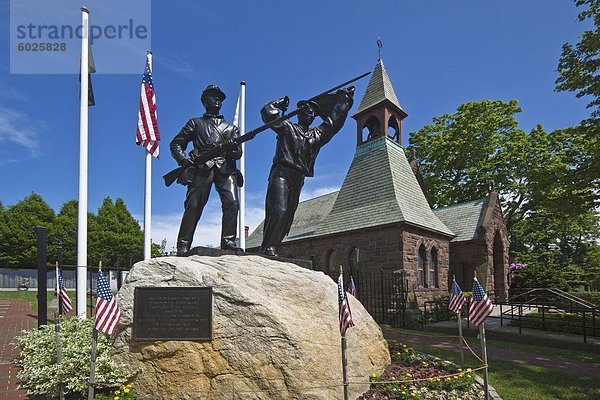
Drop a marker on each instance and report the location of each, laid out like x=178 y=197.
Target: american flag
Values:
x=107 y=309
x=345 y=314
x=352 y=287
x=65 y=302
x=481 y=305
x=147 y=134
x=457 y=298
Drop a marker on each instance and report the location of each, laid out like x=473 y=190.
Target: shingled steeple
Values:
x=379 y=113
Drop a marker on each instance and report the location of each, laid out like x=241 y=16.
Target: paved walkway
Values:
x=15 y=316
x=550 y=362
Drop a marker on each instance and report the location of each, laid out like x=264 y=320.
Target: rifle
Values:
x=203 y=157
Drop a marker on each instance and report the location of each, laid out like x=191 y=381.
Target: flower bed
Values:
x=414 y=375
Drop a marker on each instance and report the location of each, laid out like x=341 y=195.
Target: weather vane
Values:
x=379 y=46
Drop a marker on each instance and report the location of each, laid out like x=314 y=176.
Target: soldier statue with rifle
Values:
x=206 y=133
x=217 y=146
x=296 y=151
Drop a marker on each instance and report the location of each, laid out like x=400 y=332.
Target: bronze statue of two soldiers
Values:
x=217 y=146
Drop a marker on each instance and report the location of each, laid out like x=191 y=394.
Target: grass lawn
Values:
x=515 y=381
x=542 y=350
x=31 y=296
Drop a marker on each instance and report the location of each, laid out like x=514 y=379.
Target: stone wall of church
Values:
x=389 y=248
x=485 y=257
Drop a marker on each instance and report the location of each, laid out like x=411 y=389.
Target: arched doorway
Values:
x=498 y=260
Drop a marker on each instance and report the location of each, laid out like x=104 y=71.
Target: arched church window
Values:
x=354 y=257
x=371 y=129
x=421 y=267
x=393 y=130
x=433 y=269
x=332 y=263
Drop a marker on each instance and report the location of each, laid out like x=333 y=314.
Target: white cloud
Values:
x=18 y=128
x=311 y=193
x=208 y=232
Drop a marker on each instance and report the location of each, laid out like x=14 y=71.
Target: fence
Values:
x=540 y=308
x=383 y=294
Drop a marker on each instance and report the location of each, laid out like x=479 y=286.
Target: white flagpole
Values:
x=242 y=113
x=148 y=194
x=83 y=169
x=485 y=361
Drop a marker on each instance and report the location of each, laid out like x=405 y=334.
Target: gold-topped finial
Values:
x=100 y=265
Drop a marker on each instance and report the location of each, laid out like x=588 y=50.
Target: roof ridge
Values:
x=459 y=204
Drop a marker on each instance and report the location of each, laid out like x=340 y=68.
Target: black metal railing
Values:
x=383 y=294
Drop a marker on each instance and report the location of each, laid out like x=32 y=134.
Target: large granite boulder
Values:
x=275 y=334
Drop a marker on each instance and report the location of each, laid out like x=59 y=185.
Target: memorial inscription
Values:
x=172 y=313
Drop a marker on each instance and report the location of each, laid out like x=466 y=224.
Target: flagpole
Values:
x=83 y=169
x=345 y=368
x=485 y=362
x=460 y=340
x=460 y=333
x=57 y=315
x=148 y=193
x=93 y=356
x=242 y=127
x=344 y=353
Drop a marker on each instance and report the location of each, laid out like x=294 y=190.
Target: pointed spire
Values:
x=380 y=89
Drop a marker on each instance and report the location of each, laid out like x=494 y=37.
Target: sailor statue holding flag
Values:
x=207 y=132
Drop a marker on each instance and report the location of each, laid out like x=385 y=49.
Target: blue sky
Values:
x=438 y=55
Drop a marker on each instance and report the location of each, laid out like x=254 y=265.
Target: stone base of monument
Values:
x=216 y=252
x=275 y=332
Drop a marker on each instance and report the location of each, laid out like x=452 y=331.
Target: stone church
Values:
x=380 y=218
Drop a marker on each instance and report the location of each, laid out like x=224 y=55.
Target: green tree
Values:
x=578 y=64
x=64 y=231
x=115 y=236
x=18 y=240
x=459 y=154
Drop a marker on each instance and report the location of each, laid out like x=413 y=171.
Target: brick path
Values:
x=15 y=316
x=550 y=362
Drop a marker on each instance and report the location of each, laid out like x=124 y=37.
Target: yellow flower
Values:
x=460 y=370
x=469 y=375
x=403 y=392
x=438 y=379
x=413 y=394
x=469 y=370
x=126 y=390
x=437 y=359
x=117 y=397
x=373 y=376
x=448 y=378
x=455 y=376
x=117 y=392
x=409 y=375
x=393 y=378
x=129 y=386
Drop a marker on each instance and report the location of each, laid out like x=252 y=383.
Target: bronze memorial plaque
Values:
x=172 y=313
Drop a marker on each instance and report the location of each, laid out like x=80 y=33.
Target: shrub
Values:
x=42 y=376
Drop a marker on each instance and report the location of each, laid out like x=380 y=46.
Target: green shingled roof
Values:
x=309 y=215
x=379 y=90
x=462 y=218
x=380 y=188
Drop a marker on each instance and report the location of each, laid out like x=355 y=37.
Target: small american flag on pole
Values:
x=481 y=305
x=147 y=134
x=345 y=314
x=65 y=302
x=352 y=287
x=457 y=298
x=107 y=309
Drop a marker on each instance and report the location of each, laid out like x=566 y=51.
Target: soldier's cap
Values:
x=312 y=104
x=213 y=89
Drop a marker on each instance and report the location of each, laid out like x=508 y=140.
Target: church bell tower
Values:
x=379 y=113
